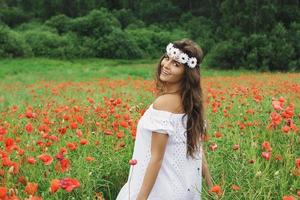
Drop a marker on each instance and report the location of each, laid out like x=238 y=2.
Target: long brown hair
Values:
x=191 y=95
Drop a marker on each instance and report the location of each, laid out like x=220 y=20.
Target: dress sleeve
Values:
x=160 y=122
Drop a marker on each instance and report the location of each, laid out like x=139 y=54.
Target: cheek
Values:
x=180 y=71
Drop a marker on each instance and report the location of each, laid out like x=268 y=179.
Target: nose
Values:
x=167 y=64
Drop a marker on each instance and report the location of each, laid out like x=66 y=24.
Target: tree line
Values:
x=251 y=34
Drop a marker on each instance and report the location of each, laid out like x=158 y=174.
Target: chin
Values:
x=163 y=79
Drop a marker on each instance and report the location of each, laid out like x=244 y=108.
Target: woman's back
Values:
x=179 y=177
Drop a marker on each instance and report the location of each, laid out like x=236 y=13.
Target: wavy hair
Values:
x=191 y=95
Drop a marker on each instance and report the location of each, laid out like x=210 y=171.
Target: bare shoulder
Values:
x=168 y=102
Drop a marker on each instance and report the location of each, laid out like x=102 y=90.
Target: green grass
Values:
x=29 y=70
x=22 y=85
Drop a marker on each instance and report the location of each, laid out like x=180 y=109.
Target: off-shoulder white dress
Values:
x=179 y=177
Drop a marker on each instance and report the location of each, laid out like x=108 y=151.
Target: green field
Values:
x=89 y=98
x=31 y=69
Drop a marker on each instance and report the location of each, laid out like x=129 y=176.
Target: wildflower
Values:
x=3 y=192
x=218 y=134
x=133 y=162
x=47 y=159
x=213 y=146
x=290 y=197
x=54 y=185
x=235 y=187
x=216 y=189
x=266 y=145
x=28 y=127
x=69 y=184
x=31 y=188
x=31 y=160
x=266 y=155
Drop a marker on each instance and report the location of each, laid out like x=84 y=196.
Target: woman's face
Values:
x=171 y=70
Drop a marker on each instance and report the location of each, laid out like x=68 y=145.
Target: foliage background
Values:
x=249 y=34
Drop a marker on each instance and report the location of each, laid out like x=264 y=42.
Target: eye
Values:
x=176 y=64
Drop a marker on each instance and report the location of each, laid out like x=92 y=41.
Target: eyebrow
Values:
x=177 y=62
x=173 y=59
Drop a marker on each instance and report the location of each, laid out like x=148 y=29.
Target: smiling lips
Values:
x=165 y=73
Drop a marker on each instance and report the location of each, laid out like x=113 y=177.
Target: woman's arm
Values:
x=158 y=146
x=149 y=179
x=205 y=172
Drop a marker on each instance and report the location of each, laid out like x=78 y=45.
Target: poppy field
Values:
x=73 y=139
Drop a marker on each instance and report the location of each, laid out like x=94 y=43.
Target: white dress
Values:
x=179 y=178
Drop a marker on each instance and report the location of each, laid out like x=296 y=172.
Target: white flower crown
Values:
x=181 y=57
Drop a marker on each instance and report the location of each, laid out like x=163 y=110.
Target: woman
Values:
x=168 y=146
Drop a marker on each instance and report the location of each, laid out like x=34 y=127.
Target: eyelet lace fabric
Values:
x=179 y=177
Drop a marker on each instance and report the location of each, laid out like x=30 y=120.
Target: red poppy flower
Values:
x=72 y=146
x=31 y=160
x=79 y=119
x=29 y=114
x=3 y=131
x=266 y=145
x=31 y=188
x=73 y=125
x=62 y=130
x=63 y=165
x=3 y=192
x=83 y=141
x=213 y=146
x=126 y=117
x=266 y=155
x=9 y=143
x=47 y=159
x=108 y=132
x=124 y=124
x=288 y=198
x=120 y=135
x=277 y=105
x=235 y=187
x=28 y=127
x=89 y=158
x=90 y=100
x=133 y=162
x=22 y=180
x=69 y=184
x=216 y=189
x=218 y=134
x=55 y=184
x=297 y=163
x=79 y=133
x=63 y=150
x=6 y=162
x=285 y=129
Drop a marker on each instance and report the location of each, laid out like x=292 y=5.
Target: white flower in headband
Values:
x=175 y=53
x=181 y=57
x=192 y=62
x=169 y=47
